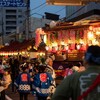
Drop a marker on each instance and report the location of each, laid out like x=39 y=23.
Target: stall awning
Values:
x=18 y=46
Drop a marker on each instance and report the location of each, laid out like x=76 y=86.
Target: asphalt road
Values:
x=14 y=95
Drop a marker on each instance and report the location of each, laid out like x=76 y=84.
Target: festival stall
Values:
x=16 y=48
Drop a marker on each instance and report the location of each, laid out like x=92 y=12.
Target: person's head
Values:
x=24 y=67
x=36 y=63
x=49 y=61
x=4 y=62
x=92 y=55
x=42 y=68
x=6 y=71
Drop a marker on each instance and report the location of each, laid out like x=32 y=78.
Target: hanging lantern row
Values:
x=8 y=53
x=92 y=38
x=64 y=48
x=12 y=53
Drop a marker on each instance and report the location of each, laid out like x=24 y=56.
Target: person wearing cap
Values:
x=84 y=85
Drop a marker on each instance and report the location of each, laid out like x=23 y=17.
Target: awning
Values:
x=18 y=46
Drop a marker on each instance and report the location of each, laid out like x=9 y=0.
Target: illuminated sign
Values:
x=12 y=3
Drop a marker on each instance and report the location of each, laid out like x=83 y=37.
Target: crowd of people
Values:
x=38 y=78
x=26 y=77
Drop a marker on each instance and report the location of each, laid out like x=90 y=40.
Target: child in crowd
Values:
x=23 y=82
x=42 y=82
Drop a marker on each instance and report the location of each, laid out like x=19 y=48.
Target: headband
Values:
x=89 y=56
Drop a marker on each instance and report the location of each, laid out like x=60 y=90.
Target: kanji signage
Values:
x=12 y=3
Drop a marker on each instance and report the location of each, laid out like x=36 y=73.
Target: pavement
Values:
x=14 y=95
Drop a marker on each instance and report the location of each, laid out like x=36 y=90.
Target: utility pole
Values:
x=27 y=19
x=2 y=25
x=2 y=31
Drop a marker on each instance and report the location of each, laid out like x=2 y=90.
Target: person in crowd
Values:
x=75 y=68
x=14 y=64
x=82 y=85
x=23 y=82
x=1 y=70
x=42 y=82
x=81 y=67
x=5 y=64
x=49 y=69
x=68 y=71
x=36 y=68
x=5 y=81
x=49 y=60
x=30 y=67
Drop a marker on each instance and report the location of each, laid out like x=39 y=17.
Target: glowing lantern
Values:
x=47 y=48
x=56 y=48
x=97 y=32
x=45 y=39
x=78 y=46
x=95 y=42
x=90 y=35
x=81 y=41
x=62 y=43
x=66 y=47
x=54 y=44
x=91 y=28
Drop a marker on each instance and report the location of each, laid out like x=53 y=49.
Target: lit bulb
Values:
x=90 y=35
x=47 y=48
x=78 y=46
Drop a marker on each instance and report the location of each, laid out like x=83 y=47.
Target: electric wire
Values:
x=60 y=10
x=65 y=18
x=38 y=6
x=37 y=11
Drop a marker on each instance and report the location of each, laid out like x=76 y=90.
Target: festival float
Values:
x=67 y=41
